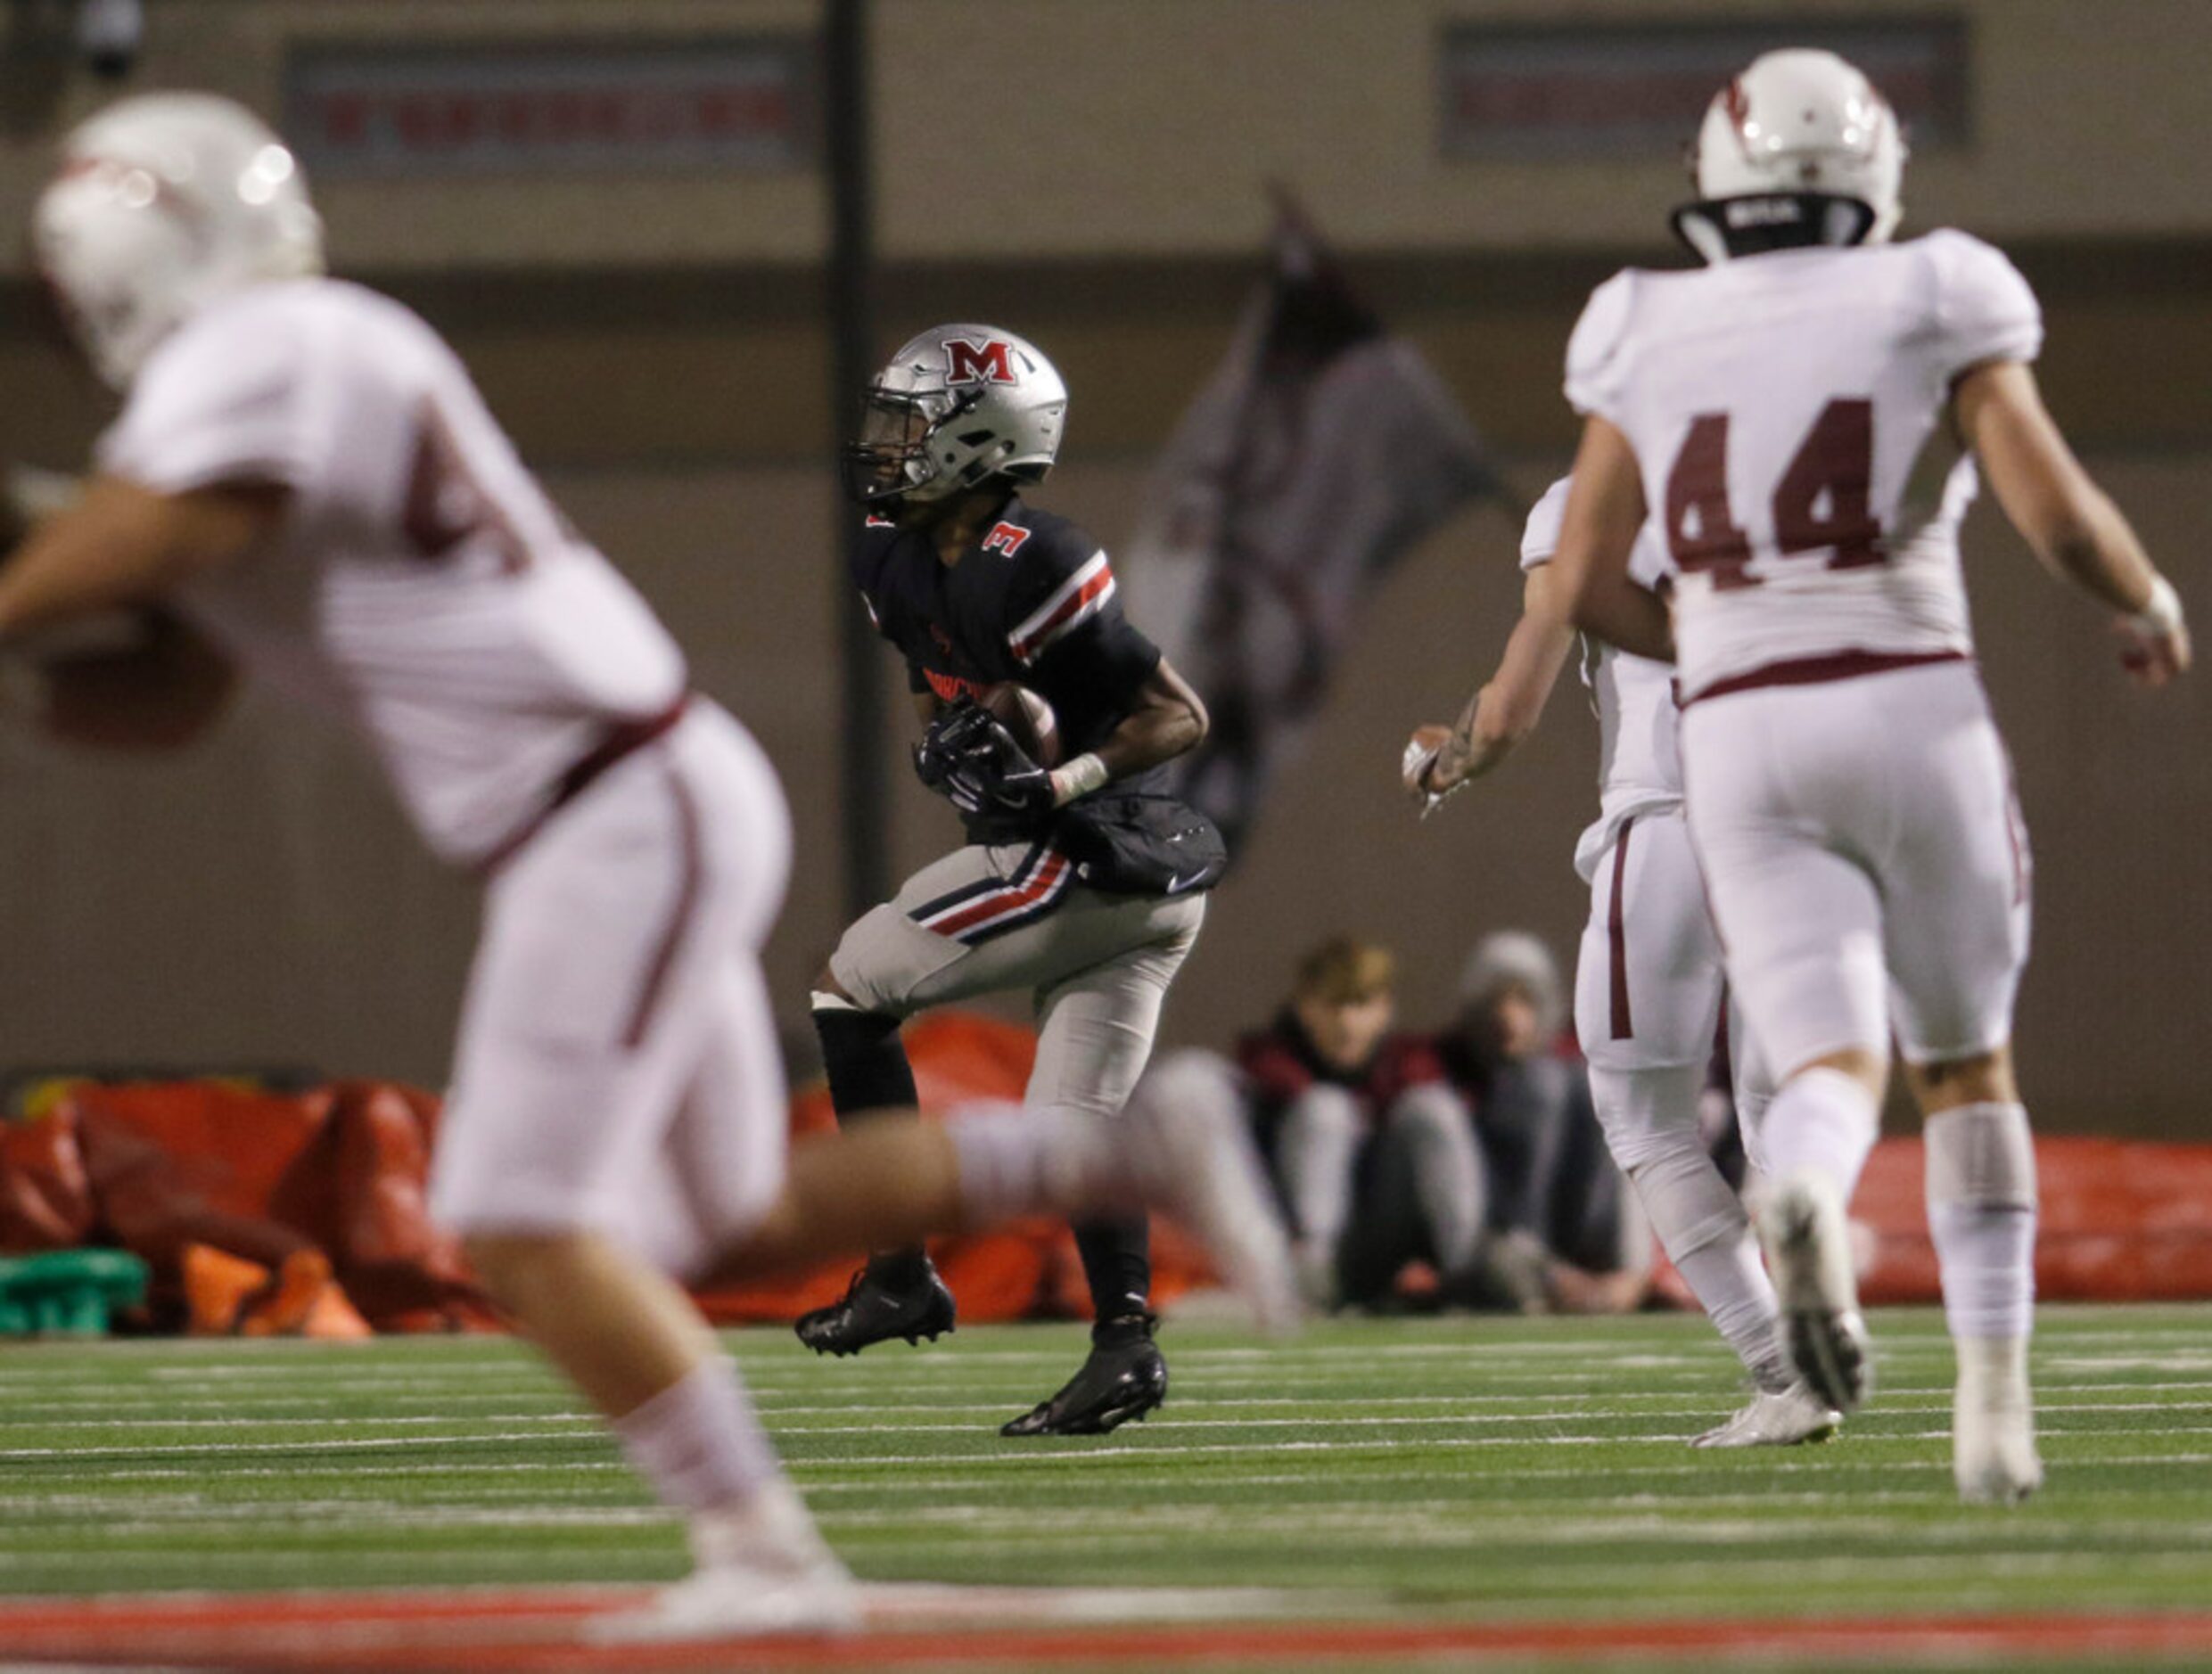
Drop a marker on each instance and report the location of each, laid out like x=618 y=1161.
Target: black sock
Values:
x=866 y=1061
x=869 y=1076
x=1117 y=1261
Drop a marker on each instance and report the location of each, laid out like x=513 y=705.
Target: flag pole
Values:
x=863 y=785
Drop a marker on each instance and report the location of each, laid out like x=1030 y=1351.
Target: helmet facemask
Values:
x=891 y=463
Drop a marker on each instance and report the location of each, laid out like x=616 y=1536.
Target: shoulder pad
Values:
x=1594 y=351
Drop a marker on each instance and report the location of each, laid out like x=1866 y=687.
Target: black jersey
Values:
x=1034 y=601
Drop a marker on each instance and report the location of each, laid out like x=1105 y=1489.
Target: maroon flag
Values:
x=1322 y=450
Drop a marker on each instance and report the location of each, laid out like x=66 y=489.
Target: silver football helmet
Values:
x=164 y=203
x=957 y=407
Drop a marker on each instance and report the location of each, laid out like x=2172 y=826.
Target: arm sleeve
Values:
x=217 y=405
x=1596 y=374
x=1984 y=308
x=1068 y=628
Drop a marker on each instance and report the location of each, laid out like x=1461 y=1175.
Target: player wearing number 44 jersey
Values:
x=1082 y=884
x=305 y=484
x=1648 y=988
x=1787 y=411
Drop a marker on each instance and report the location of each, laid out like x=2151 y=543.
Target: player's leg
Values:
x=1960 y=881
x=1095 y=1034
x=859 y=1001
x=589 y=1011
x=1648 y=994
x=1779 y=784
x=759 y=1561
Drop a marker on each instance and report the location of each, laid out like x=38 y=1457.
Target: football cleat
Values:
x=1775 y=1418
x=1125 y=1377
x=884 y=1300
x=1803 y=1232
x=758 y=1569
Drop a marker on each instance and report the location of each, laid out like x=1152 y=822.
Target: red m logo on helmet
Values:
x=970 y=363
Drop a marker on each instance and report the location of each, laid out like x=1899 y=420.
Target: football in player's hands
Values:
x=1420 y=755
x=1028 y=719
x=973 y=760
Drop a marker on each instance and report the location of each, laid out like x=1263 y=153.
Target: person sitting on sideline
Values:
x=1567 y=1235
x=1373 y=1154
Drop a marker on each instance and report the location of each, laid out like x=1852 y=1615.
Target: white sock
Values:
x=699 y=1442
x=1731 y=1281
x=1981 y=1213
x=1651 y=1121
x=1824 y=1121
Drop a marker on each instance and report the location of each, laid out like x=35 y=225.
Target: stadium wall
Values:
x=658 y=346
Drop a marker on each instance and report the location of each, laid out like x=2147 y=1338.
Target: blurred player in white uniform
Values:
x=1648 y=988
x=304 y=481
x=1796 y=414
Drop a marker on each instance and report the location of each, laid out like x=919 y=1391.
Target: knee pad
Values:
x=1983 y=1155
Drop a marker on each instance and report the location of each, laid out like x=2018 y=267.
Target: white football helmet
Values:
x=1785 y=152
x=957 y=405
x=164 y=203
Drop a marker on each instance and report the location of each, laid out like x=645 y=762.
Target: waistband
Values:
x=1843 y=665
x=617 y=742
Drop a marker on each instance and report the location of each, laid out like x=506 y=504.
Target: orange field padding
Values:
x=2123 y=1220
x=159 y=1166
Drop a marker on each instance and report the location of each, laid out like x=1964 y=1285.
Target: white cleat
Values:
x=1775 y=1418
x=1205 y=1172
x=1992 y=1425
x=1808 y=1254
x=760 y=1569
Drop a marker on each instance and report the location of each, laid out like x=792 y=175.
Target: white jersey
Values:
x=1640 y=762
x=421 y=585
x=1780 y=406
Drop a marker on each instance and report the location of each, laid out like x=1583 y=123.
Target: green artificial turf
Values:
x=1458 y=1468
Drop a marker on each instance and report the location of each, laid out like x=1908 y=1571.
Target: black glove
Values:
x=969 y=758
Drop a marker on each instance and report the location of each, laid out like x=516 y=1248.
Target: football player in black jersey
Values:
x=1082 y=884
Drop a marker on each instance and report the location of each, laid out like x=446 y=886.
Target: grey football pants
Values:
x=1006 y=919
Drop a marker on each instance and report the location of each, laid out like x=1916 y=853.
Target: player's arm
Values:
x=2070 y=523
x=1508 y=706
x=122 y=546
x=1067 y=625
x=1166 y=719
x=1605 y=509
x=112 y=556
